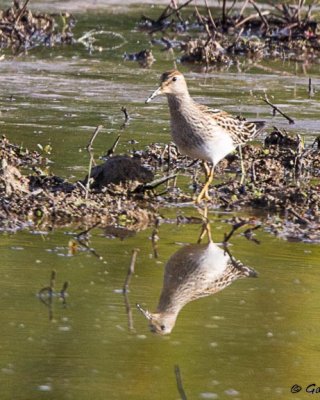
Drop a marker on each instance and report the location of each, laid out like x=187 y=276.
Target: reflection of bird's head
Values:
x=159 y=323
x=172 y=83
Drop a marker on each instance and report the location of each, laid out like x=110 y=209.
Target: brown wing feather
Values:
x=239 y=129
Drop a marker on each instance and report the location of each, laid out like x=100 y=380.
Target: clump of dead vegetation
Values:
x=31 y=197
x=245 y=28
x=282 y=180
x=21 y=29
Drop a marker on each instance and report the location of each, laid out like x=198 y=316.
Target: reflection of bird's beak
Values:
x=144 y=312
x=154 y=94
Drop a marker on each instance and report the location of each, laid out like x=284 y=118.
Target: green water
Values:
x=253 y=340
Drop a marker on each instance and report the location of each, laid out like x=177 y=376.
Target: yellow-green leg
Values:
x=243 y=171
x=204 y=194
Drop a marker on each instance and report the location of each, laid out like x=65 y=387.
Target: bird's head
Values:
x=171 y=83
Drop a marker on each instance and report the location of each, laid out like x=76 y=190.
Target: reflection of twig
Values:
x=155 y=238
x=47 y=293
x=130 y=270
x=83 y=234
x=234 y=228
x=276 y=109
x=126 y=288
x=179 y=383
x=128 y=311
x=248 y=234
x=63 y=293
x=206 y=229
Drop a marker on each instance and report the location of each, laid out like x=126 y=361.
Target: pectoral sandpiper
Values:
x=199 y=131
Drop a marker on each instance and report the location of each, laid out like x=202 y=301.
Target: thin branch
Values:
x=112 y=148
x=92 y=139
x=250 y=17
x=301 y=219
x=276 y=109
x=176 y=10
x=244 y=6
x=264 y=20
x=91 y=161
x=21 y=12
x=210 y=15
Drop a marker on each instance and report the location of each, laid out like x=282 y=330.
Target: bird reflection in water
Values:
x=194 y=271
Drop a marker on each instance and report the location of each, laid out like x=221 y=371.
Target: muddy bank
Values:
x=282 y=179
x=225 y=34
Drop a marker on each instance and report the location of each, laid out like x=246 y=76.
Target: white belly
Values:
x=213 y=150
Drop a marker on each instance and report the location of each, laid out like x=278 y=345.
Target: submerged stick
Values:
x=180 y=388
x=276 y=109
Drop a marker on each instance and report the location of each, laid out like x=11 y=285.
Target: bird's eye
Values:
x=174 y=79
x=162 y=327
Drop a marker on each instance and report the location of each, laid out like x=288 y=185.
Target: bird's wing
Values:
x=238 y=128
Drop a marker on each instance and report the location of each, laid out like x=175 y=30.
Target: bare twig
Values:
x=275 y=108
x=224 y=12
x=301 y=219
x=130 y=270
x=92 y=139
x=21 y=12
x=180 y=388
x=210 y=15
x=244 y=6
x=91 y=161
x=164 y=15
x=264 y=20
x=112 y=148
x=250 y=17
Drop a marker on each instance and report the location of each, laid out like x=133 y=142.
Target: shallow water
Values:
x=253 y=340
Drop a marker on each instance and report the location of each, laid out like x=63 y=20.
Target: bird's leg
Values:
x=204 y=192
x=243 y=171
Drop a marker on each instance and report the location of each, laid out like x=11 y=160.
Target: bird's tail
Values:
x=259 y=125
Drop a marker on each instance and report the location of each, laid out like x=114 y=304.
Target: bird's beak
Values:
x=144 y=312
x=154 y=94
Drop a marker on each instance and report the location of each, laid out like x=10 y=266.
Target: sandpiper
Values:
x=199 y=131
